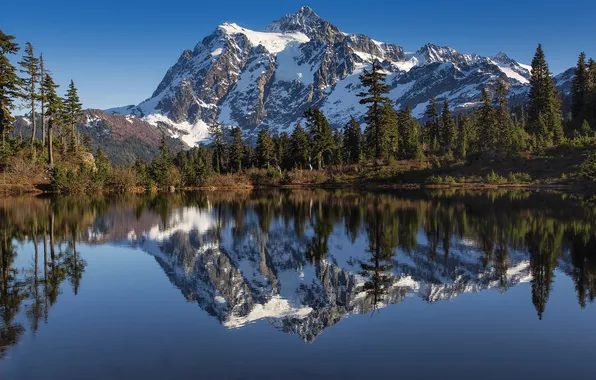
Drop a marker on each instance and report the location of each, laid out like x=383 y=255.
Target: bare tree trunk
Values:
x=32 y=112
x=42 y=93
x=50 y=145
x=45 y=274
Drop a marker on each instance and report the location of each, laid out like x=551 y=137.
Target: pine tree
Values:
x=463 y=129
x=410 y=147
x=432 y=125
x=448 y=133
x=216 y=133
x=486 y=126
x=30 y=67
x=580 y=91
x=285 y=151
x=374 y=97
x=236 y=149
x=42 y=100
x=300 y=146
x=544 y=110
x=390 y=137
x=352 y=141
x=265 y=148
x=162 y=164
x=321 y=135
x=10 y=83
x=503 y=122
x=53 y=112
x=73 y=110
x=591 y=98
x=338 y=141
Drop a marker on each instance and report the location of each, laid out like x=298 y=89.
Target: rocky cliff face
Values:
x=254 y=80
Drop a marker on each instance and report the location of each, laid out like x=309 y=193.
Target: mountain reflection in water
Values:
x=303 y=260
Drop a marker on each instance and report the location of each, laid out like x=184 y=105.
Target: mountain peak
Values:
x=503 y=58
x=307 y=22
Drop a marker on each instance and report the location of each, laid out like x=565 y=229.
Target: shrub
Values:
x=123 y=179
x=495 y=179
x=587 y=169
x=519 y=178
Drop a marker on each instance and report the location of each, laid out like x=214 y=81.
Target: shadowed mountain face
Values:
x=305 y=260
x=267 y=79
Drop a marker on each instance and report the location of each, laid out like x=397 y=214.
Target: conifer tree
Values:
x=321 y=135
x=352 y=141
x=486 y=125
x=30 y=67
x=300 y=146
x=338 y=142
x=544 y=110
x=375 y=98
x=448 y=132
x=390 y=137
x=591 y=98
x=42 y=100
x=265 y=148
x=284 y=151
x=53 y=108
x=10 y=83
x=410 y=147
x=503 y=131
x=216 y=133
x=463 y=128
x=236 y=149
x=432 y=125
x=580 y=91
x=73 y=110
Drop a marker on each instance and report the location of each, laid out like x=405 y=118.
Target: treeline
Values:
x=493 y=131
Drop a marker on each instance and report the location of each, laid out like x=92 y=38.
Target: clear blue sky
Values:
x=118 y=51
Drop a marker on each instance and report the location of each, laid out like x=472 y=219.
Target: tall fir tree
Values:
x=448 y=133
x=300 y=146
x=236 y=149
x=10 y=83
x=30 y=67
x=463 y=131
x=352 y=147
x=265 y=148
x=42 y=99
x=53 y=112
x=218 y=146
x=284 y=151
x=338 y=142
x=321 y=135
x=375 y=99
x=162 y=164
x=544 y=108
x=591 y=98
x=503 y=132
x=580 y=92
x=486 y=126
x=390 y=137
x=410 y=147
x=432 y=125
x=73 y=110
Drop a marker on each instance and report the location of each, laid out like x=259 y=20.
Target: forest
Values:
x=548 y=140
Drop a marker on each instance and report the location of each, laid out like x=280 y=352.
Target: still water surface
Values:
x=299 y=284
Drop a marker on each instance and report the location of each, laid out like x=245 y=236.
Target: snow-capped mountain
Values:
x=267 y=79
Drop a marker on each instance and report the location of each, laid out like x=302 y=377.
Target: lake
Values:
x=296 y=284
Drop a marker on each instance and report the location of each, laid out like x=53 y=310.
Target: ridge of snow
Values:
x=274 y=42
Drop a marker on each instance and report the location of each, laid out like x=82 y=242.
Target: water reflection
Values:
x=302 y=259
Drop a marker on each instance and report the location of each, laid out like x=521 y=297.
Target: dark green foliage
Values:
x=10 y=83
x=236 y=149
x=321 y=136
x=588 y=168
x=300 y=147
x=54 y=110
x=265 y=149
x=580 y=92
x=375 y=99
x=448 y=129
x=73 y=110
x=352 y=142
x=161 y=165
x=102 y=168
x=503 y=132
x=216 y=133
x=432 y=125
x=486 y=126
x=410 y=147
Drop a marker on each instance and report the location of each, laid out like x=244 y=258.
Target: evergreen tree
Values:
x=410 y=146
x=463 y=129
x=265 y=148
x=284 y=151
x=448 y=134
x=321 y=135
x=486 y=126
x=236 y=149
x=432 y=125
x=544 y=110
x=42 y=100
x=580 y=91
x=73 y=110
x=591 y=98
x=103 y=166
x=10 y=83
x=338 y=141
x=30 y=67
x=53 y=108
x=352 y=141
x=374 y=97
x=300 y=146
x=390 y=136
x=162 y=164
x=503 y=121
x=218 y=146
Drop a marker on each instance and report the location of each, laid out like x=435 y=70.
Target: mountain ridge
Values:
x=267 y=79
